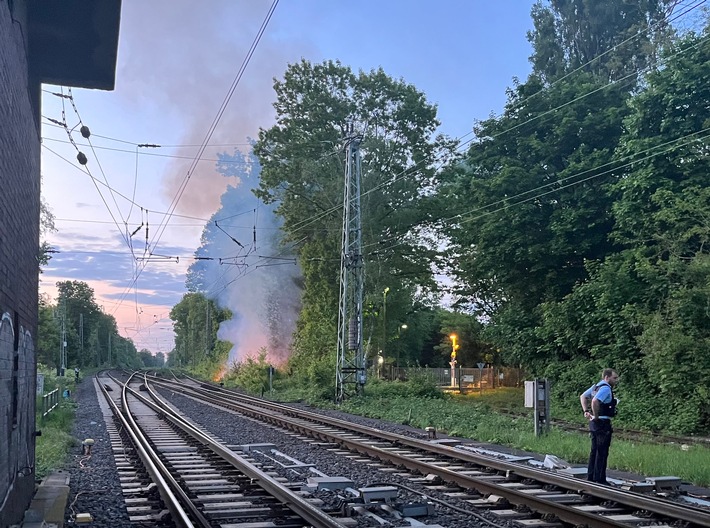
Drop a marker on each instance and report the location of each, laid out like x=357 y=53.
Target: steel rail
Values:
x=563 y=512
x=165 y=472
x=656 y=505
x=178 y=514
x=294 y=502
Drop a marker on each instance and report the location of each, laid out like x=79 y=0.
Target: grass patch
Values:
x=51 y=448
x=474 y=418
x=56 y=440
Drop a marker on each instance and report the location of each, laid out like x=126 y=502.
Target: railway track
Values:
x=174 y=474
x=510 y=490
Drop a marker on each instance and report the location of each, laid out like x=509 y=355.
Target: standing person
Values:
x=76 y=374
x=599 y=406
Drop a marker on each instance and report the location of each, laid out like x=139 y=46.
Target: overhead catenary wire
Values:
x=215 y=121
x=87 y=170
x=614 y=167
x=176 y=199
x=547 y=113
x=135 y=144
x=118 y=193
x=387 y=182
x=304 y=224
x=154 y=154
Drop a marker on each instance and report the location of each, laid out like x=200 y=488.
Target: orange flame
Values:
x=219 y=375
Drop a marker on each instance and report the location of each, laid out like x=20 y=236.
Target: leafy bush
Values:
x=252 y=374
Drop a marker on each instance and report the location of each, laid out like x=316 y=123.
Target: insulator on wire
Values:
x=82 y=158
x=85 y=132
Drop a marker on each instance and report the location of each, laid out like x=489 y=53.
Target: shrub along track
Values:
x=619 y=432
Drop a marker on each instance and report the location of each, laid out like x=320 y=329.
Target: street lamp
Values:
x=399 y=345
x=454 y=348
x=380 y=361
x=384 y=320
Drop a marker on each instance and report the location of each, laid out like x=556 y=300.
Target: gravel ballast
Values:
x=95 y=486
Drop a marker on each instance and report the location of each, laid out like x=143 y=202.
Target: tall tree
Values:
x=48 y=334
x=196 y=322
x=46 y=225
x=613 y=39
x=81 y=315
x=663 y=216
x=532 y=193
x=318 y=105
x=644 y=309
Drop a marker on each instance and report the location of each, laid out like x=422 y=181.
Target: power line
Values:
x=411 y=170
x=84 y=221
x=82 y=159
x=216 y=120
x=154 y=154
x=135 y=144
x=672 y=145
x=118 y=193
x=210 y=132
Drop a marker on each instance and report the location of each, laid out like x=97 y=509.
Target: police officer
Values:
x=599 y=407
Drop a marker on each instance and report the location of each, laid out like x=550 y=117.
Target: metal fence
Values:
x=461 y=377
x=49 y=402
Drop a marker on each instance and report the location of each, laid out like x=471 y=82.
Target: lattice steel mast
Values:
x=350 y=370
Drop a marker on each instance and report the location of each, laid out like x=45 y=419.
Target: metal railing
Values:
x=464 y=378
x=49 y=402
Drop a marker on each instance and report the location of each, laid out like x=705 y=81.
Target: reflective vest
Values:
x=605 y=409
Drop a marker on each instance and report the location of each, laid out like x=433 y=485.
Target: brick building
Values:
x=65 y=42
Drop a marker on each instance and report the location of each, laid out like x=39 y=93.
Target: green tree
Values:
x=46 y=225
x=644 y=310
x=571 y=34
x=318 y=105
x=80 y=315
x=77 y=307
x=662 y=215
x=531 y=198
x=197 y=320
x=48 y=334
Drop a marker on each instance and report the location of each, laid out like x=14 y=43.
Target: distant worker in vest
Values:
x=599 y=406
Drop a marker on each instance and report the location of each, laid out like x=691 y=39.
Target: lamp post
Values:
x=384 y=321
x=380 y=361
x=454 y=348
x=399 y=345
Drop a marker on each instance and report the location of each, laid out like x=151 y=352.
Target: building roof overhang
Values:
x=74 y=42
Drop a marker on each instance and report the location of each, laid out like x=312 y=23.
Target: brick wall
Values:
x=19 y=241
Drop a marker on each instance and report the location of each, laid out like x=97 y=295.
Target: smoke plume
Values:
x=243 y=266
x=178 y=60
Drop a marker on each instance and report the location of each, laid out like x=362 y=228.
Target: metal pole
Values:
x=81 y=337
x=350 y=367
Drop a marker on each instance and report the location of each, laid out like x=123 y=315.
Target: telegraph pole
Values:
x=351 y=373
x=63 y=343
x=81 y=336
x=207 y=326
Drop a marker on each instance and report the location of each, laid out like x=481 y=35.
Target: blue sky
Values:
x=175 y=65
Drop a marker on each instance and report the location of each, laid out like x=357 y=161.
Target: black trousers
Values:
x=600 y=431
